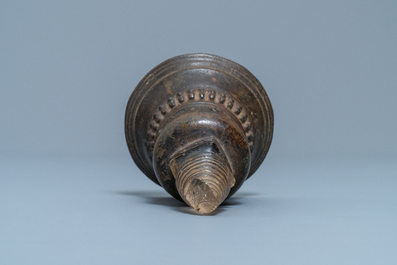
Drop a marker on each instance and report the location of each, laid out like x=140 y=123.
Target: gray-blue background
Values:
x=67 y=69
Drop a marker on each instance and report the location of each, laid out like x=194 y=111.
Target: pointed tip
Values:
x=201 y=197
x=203 y=177
x=206 y=208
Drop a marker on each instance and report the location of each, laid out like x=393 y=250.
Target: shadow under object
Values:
x=199 y=125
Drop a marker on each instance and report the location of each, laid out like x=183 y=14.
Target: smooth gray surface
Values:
x=70 y=193
x=69 y=211
x=68 y=68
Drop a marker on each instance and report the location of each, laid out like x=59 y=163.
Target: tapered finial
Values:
x=199 y=125
x=203 y=176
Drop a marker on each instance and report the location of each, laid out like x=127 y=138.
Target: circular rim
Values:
x=201 y=61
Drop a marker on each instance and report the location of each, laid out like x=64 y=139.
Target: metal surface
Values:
x=193 y=99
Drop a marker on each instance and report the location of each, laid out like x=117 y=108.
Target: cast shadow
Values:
x=159 y=198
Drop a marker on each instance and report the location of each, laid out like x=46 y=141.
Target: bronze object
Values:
x=199 y=125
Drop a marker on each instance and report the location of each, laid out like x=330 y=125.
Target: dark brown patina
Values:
x=201 y=117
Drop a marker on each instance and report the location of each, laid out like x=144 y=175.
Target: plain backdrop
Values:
x=67 y=69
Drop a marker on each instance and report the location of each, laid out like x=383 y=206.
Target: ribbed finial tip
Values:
x=203 y=176
x=201 y=197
